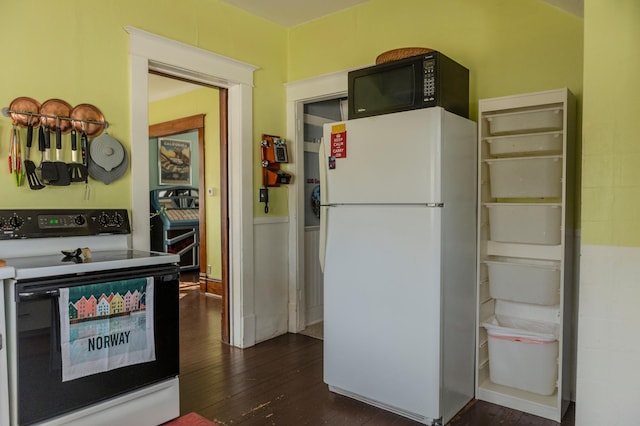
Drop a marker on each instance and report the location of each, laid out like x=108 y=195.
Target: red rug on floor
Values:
x=191 y=419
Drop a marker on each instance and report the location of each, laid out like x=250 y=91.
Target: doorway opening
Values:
x=188 y=180
x=316 y=115
x=299 y=93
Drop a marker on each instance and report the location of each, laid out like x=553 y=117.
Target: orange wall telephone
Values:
x=273 y=152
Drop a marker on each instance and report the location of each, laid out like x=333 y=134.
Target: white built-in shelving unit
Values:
x=525 y=251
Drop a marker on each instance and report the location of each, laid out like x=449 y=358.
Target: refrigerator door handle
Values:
x=322 y=243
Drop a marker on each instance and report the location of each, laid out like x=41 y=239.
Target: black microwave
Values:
x=422 y=81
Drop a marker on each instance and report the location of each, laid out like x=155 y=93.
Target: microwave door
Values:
x=391 y=89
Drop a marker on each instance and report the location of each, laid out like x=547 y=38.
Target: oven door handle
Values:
x=34 y=295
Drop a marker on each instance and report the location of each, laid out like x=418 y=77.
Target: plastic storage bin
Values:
x=525 y=316
x=522 y=359
x=526 y=177
x=546 y=143
x=536 y=120
x=527 y=281
x=525 y=223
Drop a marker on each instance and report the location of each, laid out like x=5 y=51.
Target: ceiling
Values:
x=289 y=13
x=164 y=87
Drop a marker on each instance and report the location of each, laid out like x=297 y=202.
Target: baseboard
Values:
x=210 y=285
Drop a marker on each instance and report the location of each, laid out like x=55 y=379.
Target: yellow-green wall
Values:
x=201 y=101
x=77 y=50
x=509 y=47
x=611 y=145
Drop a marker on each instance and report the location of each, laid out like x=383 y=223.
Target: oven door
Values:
x=42 y=392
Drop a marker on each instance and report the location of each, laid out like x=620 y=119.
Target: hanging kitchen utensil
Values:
x=107 y=177
x=29 y=139
x=48 y=170
x=87 y=118
x=107 y=158
x=41 y=150
x=12 y=148
x=54 y=115
x=61 y=166
x=55 y=112
x=77 y=171
x=23 y=110
x=106 y=151
x=32 y=176
x=29 y=166
x=84 y=142
x=19 y=171
x=15 y=157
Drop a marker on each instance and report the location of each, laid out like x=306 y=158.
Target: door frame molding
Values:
x=149 y=51
x=314 y=89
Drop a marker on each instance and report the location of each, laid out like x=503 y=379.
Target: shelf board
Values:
x=539 y=405
x=316 y=120
x=311 y=147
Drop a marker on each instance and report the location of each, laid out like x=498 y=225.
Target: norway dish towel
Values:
x=106 y=326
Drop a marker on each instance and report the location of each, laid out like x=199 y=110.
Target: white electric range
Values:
x=96 y=255
x=5 y=273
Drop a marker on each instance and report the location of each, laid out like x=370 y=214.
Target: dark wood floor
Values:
x=279 y=382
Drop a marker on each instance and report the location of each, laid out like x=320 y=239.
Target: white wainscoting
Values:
x=271 y=277
x=313 y=277
x=608 y=389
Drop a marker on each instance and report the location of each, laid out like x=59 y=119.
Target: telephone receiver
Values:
x=274 y=150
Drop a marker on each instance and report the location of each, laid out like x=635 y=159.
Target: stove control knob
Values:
x=118 y=220
x=16 y=221
x=79 y=220
x=103 y=219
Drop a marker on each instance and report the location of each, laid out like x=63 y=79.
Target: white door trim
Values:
x=299 y=92
x=150 y=51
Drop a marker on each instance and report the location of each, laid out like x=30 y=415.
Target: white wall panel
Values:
x=608 y=389
x=271 y=267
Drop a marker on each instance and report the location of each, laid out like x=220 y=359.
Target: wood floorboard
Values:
x=279 y=382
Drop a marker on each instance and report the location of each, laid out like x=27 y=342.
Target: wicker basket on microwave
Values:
x=404 y=52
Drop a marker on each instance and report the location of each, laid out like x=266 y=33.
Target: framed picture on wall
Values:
x=174 y=161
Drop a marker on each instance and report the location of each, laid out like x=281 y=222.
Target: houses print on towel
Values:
x=106 y=326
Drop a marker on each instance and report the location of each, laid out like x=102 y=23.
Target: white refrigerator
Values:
x=398 y=247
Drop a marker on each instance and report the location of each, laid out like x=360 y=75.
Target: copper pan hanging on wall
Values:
x=88 y=119
x=23 y=110
x=55 y=113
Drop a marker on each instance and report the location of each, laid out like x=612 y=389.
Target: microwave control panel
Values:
x=429 y=66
